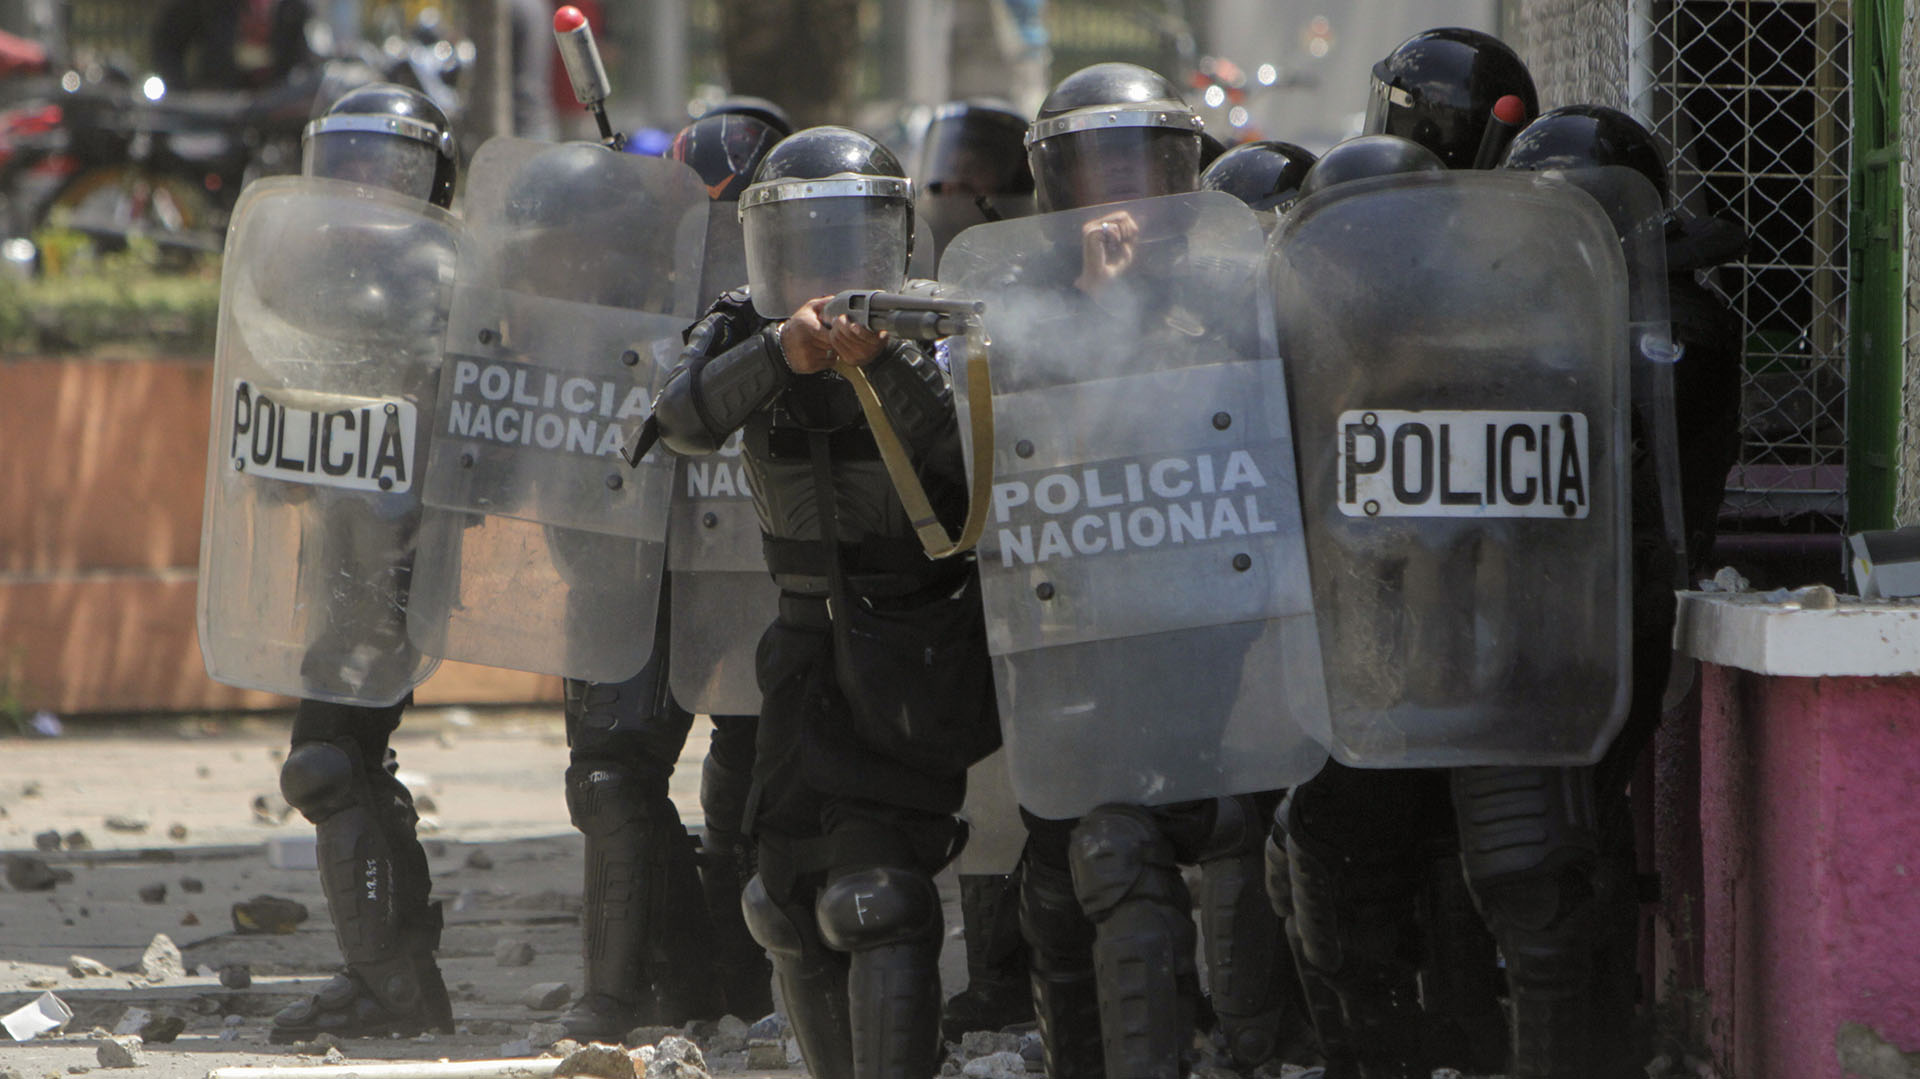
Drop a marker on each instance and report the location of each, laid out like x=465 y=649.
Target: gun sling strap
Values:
x=893 y=453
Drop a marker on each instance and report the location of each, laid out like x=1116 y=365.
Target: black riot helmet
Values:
x=759 y=108
x=1584 y=136
x=384 y=136
x=1366 y=156
x=1442 y=89
x=973 y=169
x=1113 y=132
x=575 y=223
x=829 y=210
x=1210 y=149
x=1265 y=175
x=725 y=148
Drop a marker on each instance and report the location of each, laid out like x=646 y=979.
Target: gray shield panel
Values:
x=333 y=312
x=724 y=266
x=1454 y=348
x=723 y=598
x=1143 y=570
x=542 y=550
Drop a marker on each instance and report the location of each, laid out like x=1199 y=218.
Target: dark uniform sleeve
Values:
x=732 y=366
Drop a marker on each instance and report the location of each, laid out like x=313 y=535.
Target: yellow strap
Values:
x=913 y=497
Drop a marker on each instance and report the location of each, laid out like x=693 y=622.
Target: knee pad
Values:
x=1279 y=880
x=638 y=707
x=869 y=908
x=320 y=779
x=772 y=925
x=603 y=798
x=1524 y=822
x=1118 y=854
x=1238 y=828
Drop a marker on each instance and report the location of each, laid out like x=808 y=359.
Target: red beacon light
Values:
x=568 y=19
x=1508 y=110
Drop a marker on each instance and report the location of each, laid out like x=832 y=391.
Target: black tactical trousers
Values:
x=373 y=872
x=1110 y=923
x=848 y=842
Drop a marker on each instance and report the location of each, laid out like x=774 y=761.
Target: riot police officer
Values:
x=654 y=953
x=851 y=810
x=973 y=169
x=1104 y=908
x=1266 y=174
x=1353 y=850
x=1561 y=901
x=1461 y=93
x=338 y=773
x=1361 y=861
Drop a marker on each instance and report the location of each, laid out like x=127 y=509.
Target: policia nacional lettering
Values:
x=1230 y=489
x=360 y=443
x=517 y=404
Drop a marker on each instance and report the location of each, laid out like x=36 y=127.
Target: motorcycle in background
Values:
x=110 y=156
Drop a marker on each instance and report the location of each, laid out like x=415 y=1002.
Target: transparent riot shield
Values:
x=995 y=833
x=333 y=312
x=541 y=550
x=1143 y=572
x=724 y=265
x=1455 y=347
x=723 y=598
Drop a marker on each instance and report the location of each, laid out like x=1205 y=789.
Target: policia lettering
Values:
x=1159 y=491
x=1463 y=464
x=518 y=404
x=357 y=443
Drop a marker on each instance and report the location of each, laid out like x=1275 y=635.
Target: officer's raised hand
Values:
x=1106 y=250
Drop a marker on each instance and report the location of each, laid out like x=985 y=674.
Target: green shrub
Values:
x=84 y=298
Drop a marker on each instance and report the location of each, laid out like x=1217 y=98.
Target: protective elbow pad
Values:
x=708 y=398
x=873 y=907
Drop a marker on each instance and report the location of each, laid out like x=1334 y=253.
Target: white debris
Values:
x=38 y=1016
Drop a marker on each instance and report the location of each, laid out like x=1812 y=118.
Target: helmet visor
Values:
x=802 y=248
x=1380 y=103
x=400 y=164
x=1093 y=167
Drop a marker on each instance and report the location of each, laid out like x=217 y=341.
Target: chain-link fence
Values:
x=1752 y=101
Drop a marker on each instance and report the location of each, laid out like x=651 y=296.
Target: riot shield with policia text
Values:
x=1142 y=566
x=722 y=599
x=1456 y=347
x=333 y=311
x=541 y=550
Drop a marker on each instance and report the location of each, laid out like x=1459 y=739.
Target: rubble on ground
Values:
x=120 y=1051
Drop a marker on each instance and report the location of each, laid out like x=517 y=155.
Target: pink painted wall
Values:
x=1810 y=841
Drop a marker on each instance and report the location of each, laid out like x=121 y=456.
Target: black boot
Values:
x=997 y=994
x=812 y=980
x=1143 y=949
x=1255 y=991
x=1460 y=981
x=646 y=942
x=726 y=861
x=1355 y=918
x=1066 y=1001
x=374 y=874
